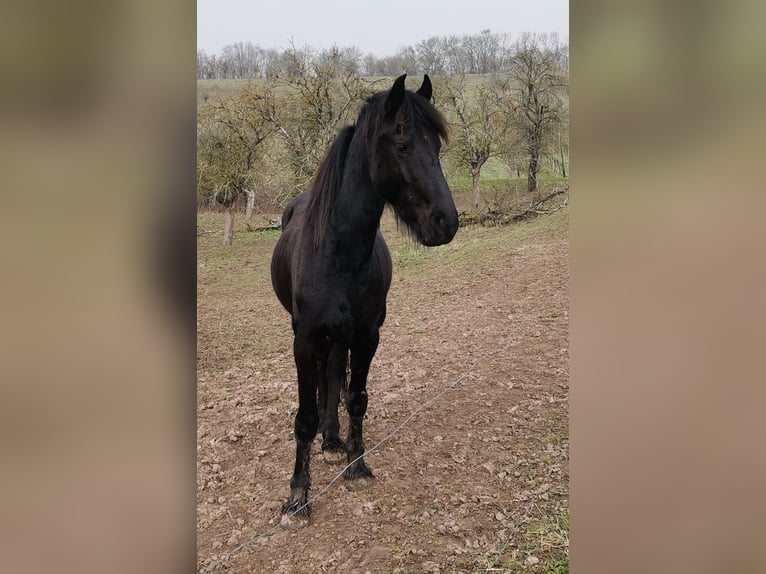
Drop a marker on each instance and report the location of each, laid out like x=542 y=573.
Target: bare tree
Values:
x=483 y=52
x=480 y=122
x=230 y=136
x=244 y=60
x=204 y=71
x=432 y=55
x=339 y=61
x=405 y=60
x=369 y=65
x=536 y=91
x=321 y=95
x=455 y=60
x=350 y=60
x=271 y=62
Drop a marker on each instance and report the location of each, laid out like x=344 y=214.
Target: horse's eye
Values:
x=401 y=148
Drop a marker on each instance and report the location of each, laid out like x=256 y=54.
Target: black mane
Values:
x=415 y=110
x=327 y=182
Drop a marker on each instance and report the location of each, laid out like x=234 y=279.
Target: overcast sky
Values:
x=377 y=26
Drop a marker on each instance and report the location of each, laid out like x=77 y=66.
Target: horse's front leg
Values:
x=362 y=351
x=307 y=360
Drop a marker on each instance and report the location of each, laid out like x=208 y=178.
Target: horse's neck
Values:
x=356 y=214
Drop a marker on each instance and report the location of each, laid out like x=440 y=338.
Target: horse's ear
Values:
x=395 y=96
x=425 y=89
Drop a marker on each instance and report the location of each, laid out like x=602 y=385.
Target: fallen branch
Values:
x=504 y=218
x=273 y=224
x=533 y=210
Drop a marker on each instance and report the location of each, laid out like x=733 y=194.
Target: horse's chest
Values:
x=365 y=303
x=340 y=305
x=356 y=297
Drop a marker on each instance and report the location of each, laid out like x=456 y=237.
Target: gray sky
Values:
x=378 y=26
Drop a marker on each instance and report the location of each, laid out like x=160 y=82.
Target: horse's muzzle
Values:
x=439 y=229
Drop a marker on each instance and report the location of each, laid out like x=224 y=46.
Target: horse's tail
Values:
x=344 y=380
x=338 y=369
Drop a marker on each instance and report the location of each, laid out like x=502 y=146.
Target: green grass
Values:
x=548 y=541
x=553 y=536
x=473 y=248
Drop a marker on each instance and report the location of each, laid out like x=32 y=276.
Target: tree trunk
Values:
x=561 y=153
x=228 y=225
x=563 y=165
x=250 y=204
x=475 y=180
x=532 y=173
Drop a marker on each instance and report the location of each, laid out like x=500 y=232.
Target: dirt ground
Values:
x=476 y=482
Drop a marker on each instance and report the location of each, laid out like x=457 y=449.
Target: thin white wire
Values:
x=236 y=550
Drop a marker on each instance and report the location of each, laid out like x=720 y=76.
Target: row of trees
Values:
x=271 y=136
x=518 y=116
x=484 y=53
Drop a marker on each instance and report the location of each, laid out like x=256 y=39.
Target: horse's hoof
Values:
x=298 y=507
x=334 y=456
x=295 y=513
x=359 y=475
x=293 y=521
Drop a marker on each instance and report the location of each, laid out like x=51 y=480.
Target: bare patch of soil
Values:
x=475 y=482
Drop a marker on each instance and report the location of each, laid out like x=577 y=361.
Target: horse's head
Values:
x=405 y=167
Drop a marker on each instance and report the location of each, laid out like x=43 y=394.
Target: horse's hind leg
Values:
x=362 y=352
x=306 y=423
x=333 y=447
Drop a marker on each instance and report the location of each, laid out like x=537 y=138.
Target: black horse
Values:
x=331 y=268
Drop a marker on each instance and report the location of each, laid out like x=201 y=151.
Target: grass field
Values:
x=212 y=89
